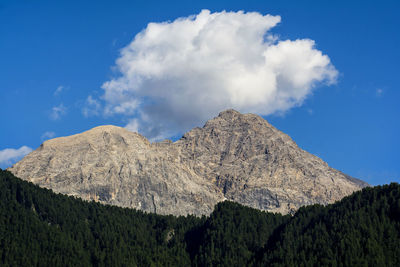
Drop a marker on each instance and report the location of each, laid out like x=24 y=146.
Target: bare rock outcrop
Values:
x=239 y=157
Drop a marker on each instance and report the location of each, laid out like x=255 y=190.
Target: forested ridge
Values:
x=41 y=228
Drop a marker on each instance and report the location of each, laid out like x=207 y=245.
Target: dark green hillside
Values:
x=234 y=234
x=40 y=228
x=361 y=230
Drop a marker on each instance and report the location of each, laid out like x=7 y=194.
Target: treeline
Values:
x=41 y=228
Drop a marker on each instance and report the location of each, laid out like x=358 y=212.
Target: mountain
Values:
x=237 y=157
x=41 y=228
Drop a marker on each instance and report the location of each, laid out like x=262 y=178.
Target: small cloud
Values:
x=133 y=125
x=9 y=156
x=92 y=107
x=47 y=135
x=57 y=112
x=310 y=111
x=59 y=90
x=379 y=92
x=127 y=107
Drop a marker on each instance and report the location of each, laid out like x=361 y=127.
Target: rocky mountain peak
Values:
x=235 y=136
x=240 y=157
x=233 y=119
x=105 y=135
x=229 y=114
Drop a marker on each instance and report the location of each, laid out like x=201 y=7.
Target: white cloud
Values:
x=175 y=75
x=58 y=111
x=58 y=90
x=133 y=125
x=92 y=107
x=379 y=92
x=125 y=107
x=47 y=135
x=9 y=156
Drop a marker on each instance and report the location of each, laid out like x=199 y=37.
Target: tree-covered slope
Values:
x=361 y=230
x=40 y=228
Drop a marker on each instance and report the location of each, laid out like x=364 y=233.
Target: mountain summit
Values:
x=239 y=157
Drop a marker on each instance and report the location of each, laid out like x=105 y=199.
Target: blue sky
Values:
x=55 y=54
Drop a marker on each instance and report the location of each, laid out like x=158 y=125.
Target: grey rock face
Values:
x=239 y=157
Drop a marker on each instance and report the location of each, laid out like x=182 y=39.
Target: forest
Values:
x=42 y=228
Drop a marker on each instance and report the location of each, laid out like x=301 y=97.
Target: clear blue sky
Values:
x=73 y=45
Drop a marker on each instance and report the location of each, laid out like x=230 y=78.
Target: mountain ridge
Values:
x=41 y=228
x=234 y=156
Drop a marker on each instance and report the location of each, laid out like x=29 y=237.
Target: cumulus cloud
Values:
x=9 y=156
x=175 y=75
x=57 y=112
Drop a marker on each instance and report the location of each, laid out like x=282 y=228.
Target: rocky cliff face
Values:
x=239 y=157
